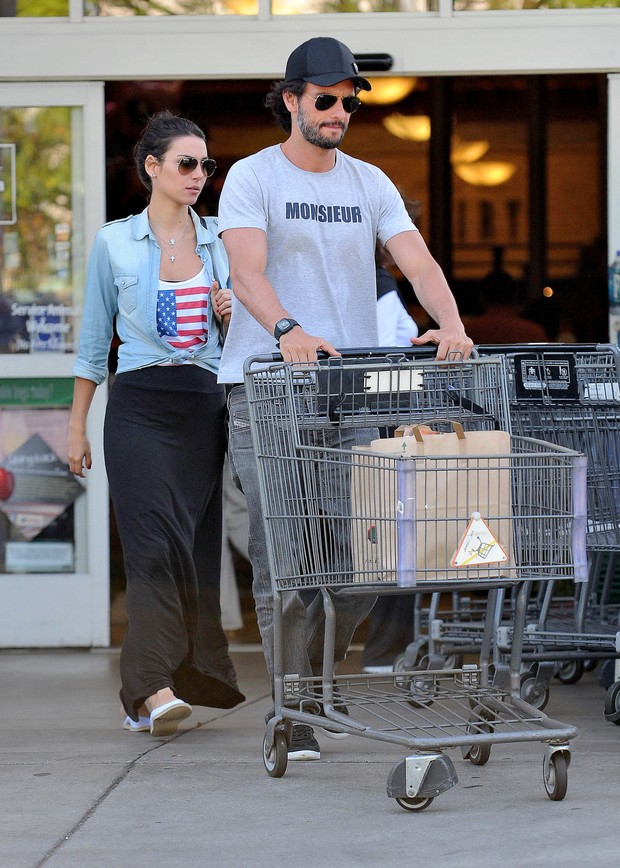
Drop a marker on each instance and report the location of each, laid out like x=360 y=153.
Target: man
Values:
x=300 y=221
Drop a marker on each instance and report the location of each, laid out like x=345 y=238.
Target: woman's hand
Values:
x=79 y=454
x=222 y=303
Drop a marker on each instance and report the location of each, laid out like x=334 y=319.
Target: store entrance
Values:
x=489 y=217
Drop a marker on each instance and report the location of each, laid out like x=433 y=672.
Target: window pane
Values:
x=305 y=7
x=34 y=8
x=486 y=5
x=41 y=228
x=170 y=7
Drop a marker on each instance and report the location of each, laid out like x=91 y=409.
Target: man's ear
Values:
x=290 y=100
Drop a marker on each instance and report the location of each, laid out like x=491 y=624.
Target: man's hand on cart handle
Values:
x=449 y=341
x=298 y=346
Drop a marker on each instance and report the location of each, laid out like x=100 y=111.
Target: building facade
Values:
x=76 y=74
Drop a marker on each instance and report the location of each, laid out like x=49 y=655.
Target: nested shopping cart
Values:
x=343 y=520
x=569 y=394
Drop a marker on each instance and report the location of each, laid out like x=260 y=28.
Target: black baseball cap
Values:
x=325 y=61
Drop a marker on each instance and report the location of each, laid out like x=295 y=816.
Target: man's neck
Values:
x=309 y=157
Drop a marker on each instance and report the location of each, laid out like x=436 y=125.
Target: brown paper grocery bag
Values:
x=432 y=506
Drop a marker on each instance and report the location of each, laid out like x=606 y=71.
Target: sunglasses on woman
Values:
x=187 y=165
x=325 y=101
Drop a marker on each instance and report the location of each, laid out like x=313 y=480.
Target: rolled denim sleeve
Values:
x=100 y=308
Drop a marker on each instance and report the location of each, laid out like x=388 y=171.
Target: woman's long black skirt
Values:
x=164 y=442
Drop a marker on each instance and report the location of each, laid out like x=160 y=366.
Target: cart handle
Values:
x=491 y=349
x=368 y=353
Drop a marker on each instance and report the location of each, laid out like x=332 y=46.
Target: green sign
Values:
x=36 y=392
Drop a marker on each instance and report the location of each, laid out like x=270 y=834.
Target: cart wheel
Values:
x=612 y=703
x=453 y=661
x=275 y=756
x=480 y=753
x=415 y=803
x=555 y=776
x=531 y=693
x=422 y=691
x=570 y=671
x=590 y=665
x=400 y=665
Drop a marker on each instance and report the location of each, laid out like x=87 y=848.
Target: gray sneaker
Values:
x=304 y=745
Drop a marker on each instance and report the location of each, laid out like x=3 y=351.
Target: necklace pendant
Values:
x=172 y=242
x=172 y=258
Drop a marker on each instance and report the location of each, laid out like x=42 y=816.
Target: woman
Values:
x=157 y=277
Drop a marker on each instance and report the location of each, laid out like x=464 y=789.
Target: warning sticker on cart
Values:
x=478 y=545
x=545 y=376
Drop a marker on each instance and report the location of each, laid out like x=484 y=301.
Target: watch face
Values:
x=284 y=323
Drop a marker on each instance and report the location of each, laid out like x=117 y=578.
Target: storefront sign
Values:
x=36 y=392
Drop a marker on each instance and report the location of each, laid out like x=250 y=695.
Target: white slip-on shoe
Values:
x=166 y=718
x=142 y=724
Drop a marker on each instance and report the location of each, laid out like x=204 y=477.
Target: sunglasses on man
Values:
x=325 y=101
x=187 y=165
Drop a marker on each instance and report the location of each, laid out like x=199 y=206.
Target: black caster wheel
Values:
x=536 y=696
x=275 y=756
x=612 y=703
x=480 y=753
x=555 y=776
x=570 y=671
x=415 y=803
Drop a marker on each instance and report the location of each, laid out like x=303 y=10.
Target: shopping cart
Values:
x=569 y=394
x=316 y=523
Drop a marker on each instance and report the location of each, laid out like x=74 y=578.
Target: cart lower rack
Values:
x=342 y=519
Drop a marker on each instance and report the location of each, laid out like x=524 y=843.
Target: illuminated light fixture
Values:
x=387 y=90
x=413 y=128
x=468 y=152
x=485 y=173
x=242 y=7
x=547 y=291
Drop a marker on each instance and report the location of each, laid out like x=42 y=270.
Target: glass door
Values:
x=54 y=545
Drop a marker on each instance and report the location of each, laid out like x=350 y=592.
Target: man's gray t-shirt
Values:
x=321 y=231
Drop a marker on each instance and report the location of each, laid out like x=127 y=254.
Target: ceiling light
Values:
x=468 y=152
x=485 y=173
x=387 y=90
x=413 y=128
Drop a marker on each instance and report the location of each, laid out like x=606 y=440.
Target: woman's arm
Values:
x=78 y=445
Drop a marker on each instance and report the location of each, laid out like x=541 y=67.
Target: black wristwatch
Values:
x=283 y=326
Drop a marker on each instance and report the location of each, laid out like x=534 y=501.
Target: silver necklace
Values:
x=173 y=243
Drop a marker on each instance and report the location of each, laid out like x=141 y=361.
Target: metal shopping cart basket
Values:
x=569 y=394
x=325 y=502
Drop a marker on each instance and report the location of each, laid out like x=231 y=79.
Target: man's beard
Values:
x=312 y=133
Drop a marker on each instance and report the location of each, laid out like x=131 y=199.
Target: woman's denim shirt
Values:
x=122 y=282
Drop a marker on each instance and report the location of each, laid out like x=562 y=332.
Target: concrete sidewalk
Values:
x=77 y=790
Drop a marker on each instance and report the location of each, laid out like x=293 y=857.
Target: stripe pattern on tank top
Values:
x=182 y=312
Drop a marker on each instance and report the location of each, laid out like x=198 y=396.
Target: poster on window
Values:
x=37 y=491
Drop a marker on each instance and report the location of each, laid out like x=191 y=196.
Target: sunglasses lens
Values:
x=187 y=165
x=325 y=101
x=351 y=104
x=208 y=167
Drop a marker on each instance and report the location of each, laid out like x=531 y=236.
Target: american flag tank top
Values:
x=182 y=311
